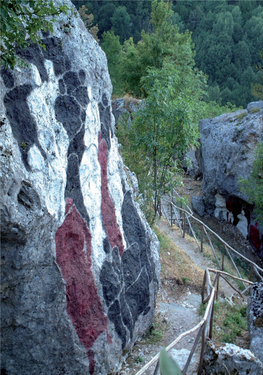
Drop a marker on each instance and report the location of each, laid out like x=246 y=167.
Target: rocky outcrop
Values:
x=231 y=359
x=255 y=320
x=80 y=265
x=124 y=109
x=226 y=154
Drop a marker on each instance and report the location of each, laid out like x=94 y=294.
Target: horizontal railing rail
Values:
x=204 y=327
x=205 y=229
x=182 y=216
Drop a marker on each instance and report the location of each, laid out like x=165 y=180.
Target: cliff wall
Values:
x=80 y=265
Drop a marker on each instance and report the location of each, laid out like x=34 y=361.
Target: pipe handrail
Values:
x=204 y=324
x=215 y=234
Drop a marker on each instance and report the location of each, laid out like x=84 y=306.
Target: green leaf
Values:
x=167 y=365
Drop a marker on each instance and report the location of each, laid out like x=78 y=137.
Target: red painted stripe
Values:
x=73 y=250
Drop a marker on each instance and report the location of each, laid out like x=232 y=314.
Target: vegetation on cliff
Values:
x=227 y=35
x=20 y=23
x=167 y=124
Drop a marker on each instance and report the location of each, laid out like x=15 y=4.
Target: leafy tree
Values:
x=242 y=58
x=257 y=88
x=231 y=28
x=165 y=41
x=121 y=23
x=112 y=47
x=88 y=20
x=164 y=128
x=253 y=187
x=253 y=30
x=19 y=19
x=195 y=17
x=105 y=14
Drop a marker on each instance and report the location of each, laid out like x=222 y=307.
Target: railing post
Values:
x=156 y=368
x=251 y=272
x=199 y=372
x=223 y=259
x=184 y=226
x=222 y=269
x=202 y=238
x=211 y=321
x=217 y=288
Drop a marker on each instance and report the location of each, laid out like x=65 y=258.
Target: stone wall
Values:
x=80 y=264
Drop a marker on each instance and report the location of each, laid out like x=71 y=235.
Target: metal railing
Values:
x=187 y=215
x=204 y=327
x=209 y=291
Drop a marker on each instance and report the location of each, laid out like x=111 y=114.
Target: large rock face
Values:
x=80 y=266
x=255 y=320
x=231 y=359
x=227 y=150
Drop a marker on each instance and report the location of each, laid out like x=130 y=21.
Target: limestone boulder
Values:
x=231 y=359
x=79 y=263
x=255 y=320
x=226 y=154
x=125 y=108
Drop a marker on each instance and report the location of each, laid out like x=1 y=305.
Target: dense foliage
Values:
x=20 y=23
x=257 y=88
x=166 y=125
x=227 y=37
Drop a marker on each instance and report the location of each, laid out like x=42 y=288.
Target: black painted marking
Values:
x=67 y=111
x=55 y=53
x=132 y=225
x=71 y=81
x=81 y=94
x=45 y=33
x=73 y=187
x=34 y=54
x=82 y=76
x=114 y=315
x=110 y=281
x=116 y=261
x=62 y=87
x=67 y=63
x=138 y=295
x=105 y=101
x=134 y=270
x=106 y=245
x=8 y=77
x=83 y=116
x=131 y=264
x=135 y=233
x=126 y=314
x=77 y=146
x=23 y=125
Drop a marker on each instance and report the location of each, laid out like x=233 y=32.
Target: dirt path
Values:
x=189 y=246
x=179 y=297
x=176 y=311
